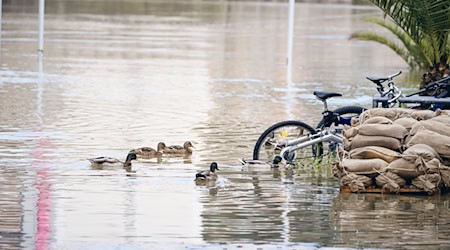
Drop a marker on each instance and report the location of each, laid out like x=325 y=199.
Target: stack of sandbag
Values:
x=395 y=148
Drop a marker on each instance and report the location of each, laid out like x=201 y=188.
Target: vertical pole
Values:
x=1 y=11
x=290 y=41
x=41 y=26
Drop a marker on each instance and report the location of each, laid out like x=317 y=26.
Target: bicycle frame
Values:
x=308 y=140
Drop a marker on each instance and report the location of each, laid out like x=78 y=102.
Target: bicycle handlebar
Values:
x=394 y=75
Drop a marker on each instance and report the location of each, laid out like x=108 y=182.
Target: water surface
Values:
x=125 y=74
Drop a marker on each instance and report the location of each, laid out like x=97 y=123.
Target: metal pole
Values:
x=290 y=41
x=41 y=26
x=1 y=11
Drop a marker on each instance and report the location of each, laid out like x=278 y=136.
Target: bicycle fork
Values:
x=292 y=146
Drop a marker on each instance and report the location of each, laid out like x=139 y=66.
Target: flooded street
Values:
x=118 y=75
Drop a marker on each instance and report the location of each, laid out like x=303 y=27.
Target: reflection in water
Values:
x=125 y=74
x=381 y=220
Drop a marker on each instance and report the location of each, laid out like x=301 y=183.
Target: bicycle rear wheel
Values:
x=274 y=139
x=345 y=114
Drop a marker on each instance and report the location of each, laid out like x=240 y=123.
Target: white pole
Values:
x=1 y=11
x=41 y=26
x=290 y=41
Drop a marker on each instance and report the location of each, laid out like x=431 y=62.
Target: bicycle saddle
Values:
x=325 y=95
x=377 y=80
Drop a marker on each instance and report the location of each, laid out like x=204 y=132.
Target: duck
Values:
x=109 y=162
x=258 y=163
x=148 y=152
x=207 y=175
x=176 y=149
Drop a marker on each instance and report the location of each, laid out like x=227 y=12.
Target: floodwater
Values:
x=118 y=75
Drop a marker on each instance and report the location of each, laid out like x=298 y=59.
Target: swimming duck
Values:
x=176 y=149
x=207 y=175
x=257 y=163
x=109 y=162
x=148 y=152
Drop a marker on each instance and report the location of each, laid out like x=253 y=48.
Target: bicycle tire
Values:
x=346 y=110
x=275 y=129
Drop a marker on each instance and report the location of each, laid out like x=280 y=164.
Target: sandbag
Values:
x=390 y=113
x=350 y=132
x=406 y=122
x=356 y=183
x=390 y=181
x=422 y=114
x=368 y=167
x=420 y=150
x=427 y=182
x=378 y=120
x=442 y=119
x=440 y=143
x=444 y=171
x=435 y=126
x=408 y=169
x=374 y=152
x=360 y=141
x=389 y=130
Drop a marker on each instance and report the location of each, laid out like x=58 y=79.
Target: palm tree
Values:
x=422 y=30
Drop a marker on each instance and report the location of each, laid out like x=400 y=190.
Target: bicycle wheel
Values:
x=274 y=139
x=345 y=114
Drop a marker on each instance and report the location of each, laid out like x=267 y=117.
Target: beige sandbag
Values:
x=435 y=126
x=374 y=152
x=406 y=122
x=390 y=181
x=355 y=121
x=420 y=150
x=369 y=167
x=356 y=183
x=444 y=171
x=404 y=169
x=440 y=112
x=442 y=119
x=422 y=114
x=428 y=182
x=390 y=113
x=350 y=132
x=389 y=130
x=440 y=143
x=382 y=141
x=408 y=169
x=378 y=120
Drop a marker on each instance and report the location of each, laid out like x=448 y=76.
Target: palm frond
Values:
x=398 y=49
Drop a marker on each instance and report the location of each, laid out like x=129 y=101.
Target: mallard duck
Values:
x=108 y=162
x=207 y=175
x=176 y=149
x=148 y=152
x=257 y=163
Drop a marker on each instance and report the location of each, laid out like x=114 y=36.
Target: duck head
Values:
x=213 y=167
x=161 y=146
x=130 y=157
x=188 y=145
x=276 y=161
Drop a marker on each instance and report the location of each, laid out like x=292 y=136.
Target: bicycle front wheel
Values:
x=276 y=137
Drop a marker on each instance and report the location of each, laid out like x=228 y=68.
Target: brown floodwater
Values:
x=118 y=75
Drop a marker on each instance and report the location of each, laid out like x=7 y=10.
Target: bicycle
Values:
x=295 y=140
x=440 y=90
